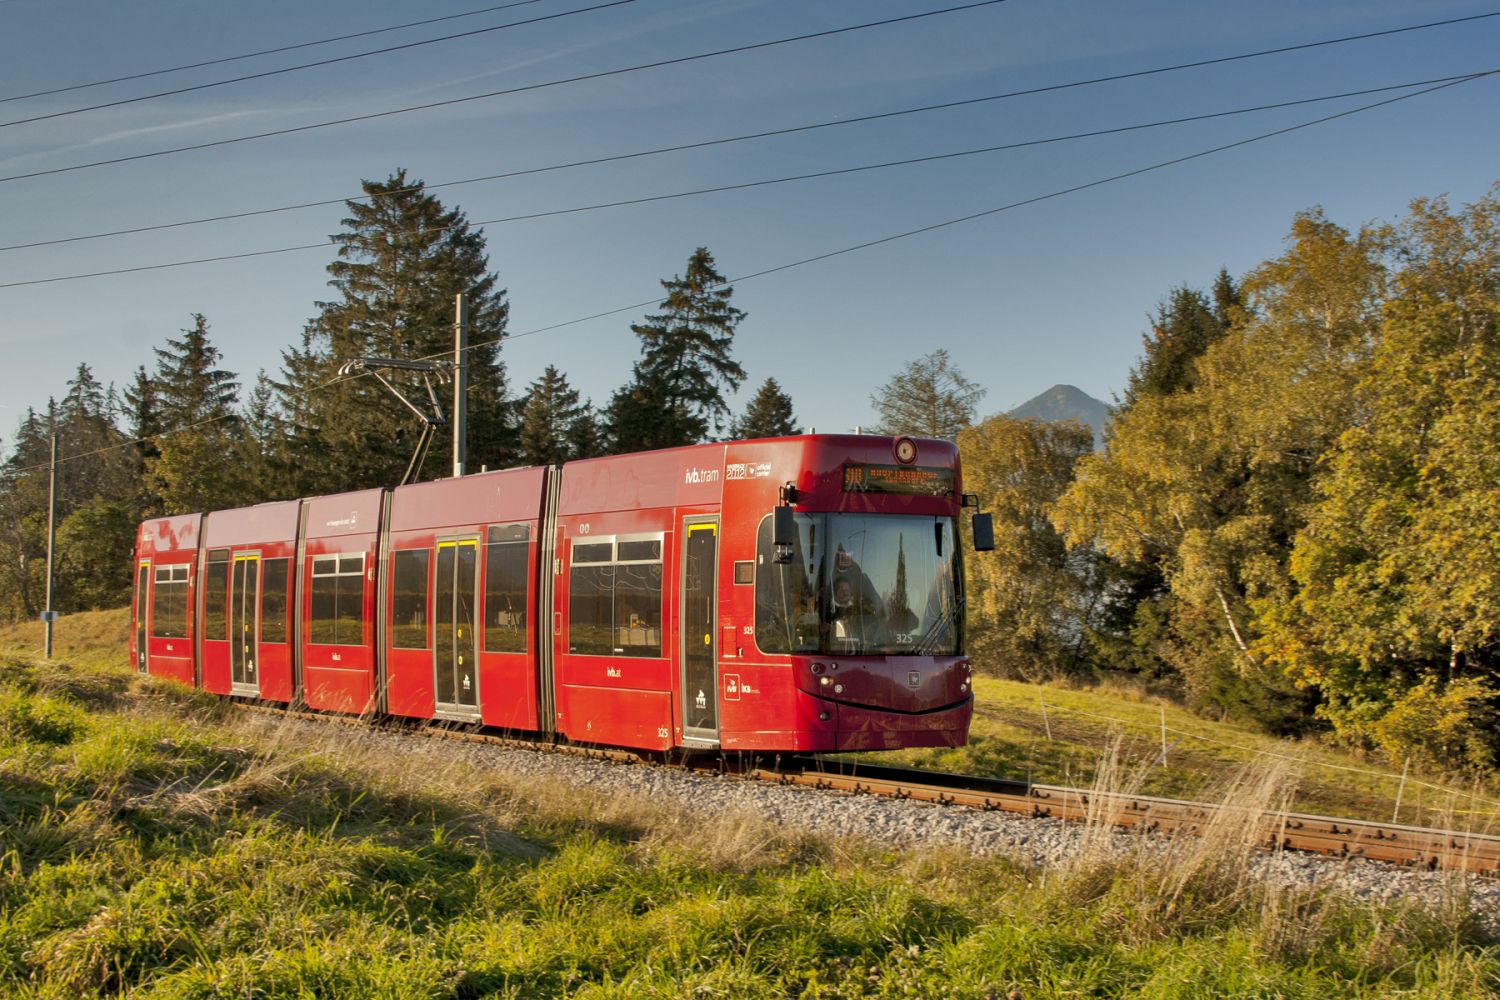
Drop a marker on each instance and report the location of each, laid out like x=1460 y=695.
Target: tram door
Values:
x=244 y=598
x=142 y=602
x=699 y=607
x=455 y=646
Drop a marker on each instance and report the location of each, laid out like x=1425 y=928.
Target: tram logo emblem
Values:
x=731 y=687
x=913 y=679
x=691 y=476
x=701 y=701
x=747 y=470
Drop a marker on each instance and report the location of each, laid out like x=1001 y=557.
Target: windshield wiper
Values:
x=929 y=640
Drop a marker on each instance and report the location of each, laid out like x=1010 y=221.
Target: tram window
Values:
x=615 y=598
x=638 y=610
x=593 y=552
x=505 y=559
x=409 y=598
x=273 y=583
x=337 y=617
x=591 y=610
x=169 y=607
x=640 y=551
x=786 y=594
x=215 y=595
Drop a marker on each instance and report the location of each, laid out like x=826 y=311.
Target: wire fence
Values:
x=1402 y=781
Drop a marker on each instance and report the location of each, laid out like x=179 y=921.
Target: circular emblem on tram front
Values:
x=905 y=450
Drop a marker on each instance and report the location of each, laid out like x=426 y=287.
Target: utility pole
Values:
x=48 y=615
x=460 y=384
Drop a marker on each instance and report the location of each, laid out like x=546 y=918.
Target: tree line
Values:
x=188 y=435
x=1292 y=520
x=1295 y=518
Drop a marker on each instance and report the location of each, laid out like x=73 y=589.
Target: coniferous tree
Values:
x=23 y=516
x=585 y=439
x=85 y=427
x=676 y=394
x=264 y=445
x=402 y=259
x=200 y=461
x=143 y=426
x=769 y=414
x=1182 y=329
x=1135 y=613
x=547 y=418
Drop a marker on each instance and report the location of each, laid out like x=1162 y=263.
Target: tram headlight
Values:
x=825 y=681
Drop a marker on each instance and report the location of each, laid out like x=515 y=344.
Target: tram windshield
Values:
x=860 y=584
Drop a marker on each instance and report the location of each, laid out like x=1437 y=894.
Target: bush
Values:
x=1449 y=726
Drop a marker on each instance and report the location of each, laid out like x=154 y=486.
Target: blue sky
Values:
x=1057 y=291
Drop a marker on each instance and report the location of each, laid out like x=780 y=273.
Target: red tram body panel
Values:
x=162 y=624
x=245 y=559
x=633 y=600
x=336 y=600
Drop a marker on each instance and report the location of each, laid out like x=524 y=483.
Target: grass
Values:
x=1056 y=735
x=154 y=843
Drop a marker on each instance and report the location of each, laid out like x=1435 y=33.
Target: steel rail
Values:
x=1426 y=848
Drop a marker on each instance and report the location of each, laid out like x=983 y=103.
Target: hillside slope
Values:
x=158 y=843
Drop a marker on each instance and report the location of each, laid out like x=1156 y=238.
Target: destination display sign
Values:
x=909 y=480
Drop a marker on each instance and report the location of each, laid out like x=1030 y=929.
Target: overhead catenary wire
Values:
x=281 y=71
x=767 y=182
x=1062 y=192
x=707 y=143
x=221 y=60
x=509 y=91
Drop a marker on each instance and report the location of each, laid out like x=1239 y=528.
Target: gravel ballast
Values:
x=1039 y=842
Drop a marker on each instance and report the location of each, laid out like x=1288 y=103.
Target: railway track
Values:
x=1425 y=848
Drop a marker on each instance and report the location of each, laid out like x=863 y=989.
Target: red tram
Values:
x=801 y=593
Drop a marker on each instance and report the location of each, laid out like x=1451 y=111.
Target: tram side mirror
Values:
x=984 y=533
x=783 y=533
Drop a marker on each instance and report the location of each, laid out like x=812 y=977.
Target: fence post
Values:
x=1400 y=790
x=1045 y=723
x=1163 y=734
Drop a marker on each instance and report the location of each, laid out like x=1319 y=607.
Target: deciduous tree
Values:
x=1030 y=602
x=928 y=398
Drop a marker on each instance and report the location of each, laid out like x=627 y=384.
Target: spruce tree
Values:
x=547 y=419
x=143 y=426
x=676 y=395
x=23 y=516
x=402 y=259
x=585 y=438
x=769 y=414
x=200 y=460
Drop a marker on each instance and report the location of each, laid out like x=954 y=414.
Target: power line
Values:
x=265 y=52
x=768 y=182
x=603 y=74
x=1061 y=192
x=595 y=161
x=312 y=65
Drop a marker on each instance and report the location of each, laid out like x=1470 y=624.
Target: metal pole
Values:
x=47 y=615
x=460 y=384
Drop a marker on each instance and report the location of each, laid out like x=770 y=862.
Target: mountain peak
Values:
x=1066 y=402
